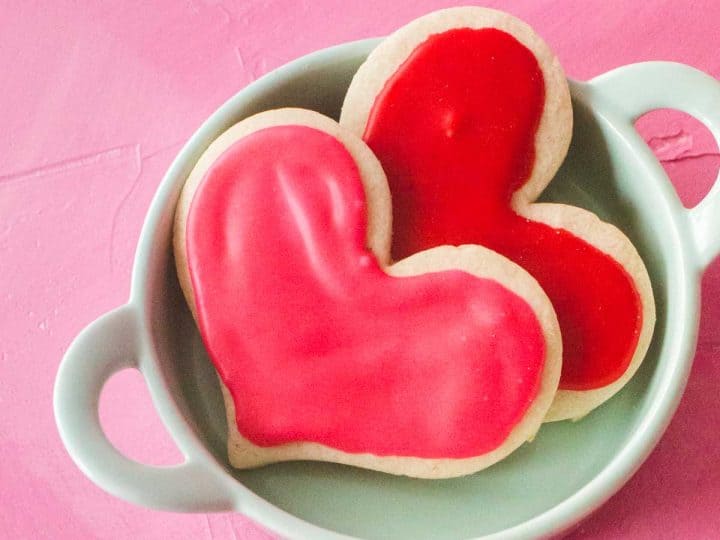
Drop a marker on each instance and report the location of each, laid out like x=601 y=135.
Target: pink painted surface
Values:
x=94 y=102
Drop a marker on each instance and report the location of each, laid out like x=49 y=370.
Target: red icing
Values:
x=316 y=343
x=454 y=128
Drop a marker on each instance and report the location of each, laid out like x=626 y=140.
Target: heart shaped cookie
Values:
x=469 y=113
x=435 y=366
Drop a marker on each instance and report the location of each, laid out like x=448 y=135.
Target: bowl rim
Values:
x=557 y=519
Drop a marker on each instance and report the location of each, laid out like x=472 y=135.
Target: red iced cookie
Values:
x=469 y=113
x=435 y=366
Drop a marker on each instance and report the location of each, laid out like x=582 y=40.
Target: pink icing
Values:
x=316 y=343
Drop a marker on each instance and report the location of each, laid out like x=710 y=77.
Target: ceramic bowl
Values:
x=543 y=488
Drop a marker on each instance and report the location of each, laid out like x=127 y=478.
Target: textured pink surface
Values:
x=94 y=102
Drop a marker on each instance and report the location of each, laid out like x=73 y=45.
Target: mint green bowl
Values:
x=542 y=489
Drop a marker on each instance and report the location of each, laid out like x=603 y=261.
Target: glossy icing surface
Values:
x=454 y=128
x=317 y=343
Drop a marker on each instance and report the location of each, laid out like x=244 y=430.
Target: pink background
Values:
x=96 y=99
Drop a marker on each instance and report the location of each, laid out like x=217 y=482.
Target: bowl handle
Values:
x=639 y=88
x=106 y=346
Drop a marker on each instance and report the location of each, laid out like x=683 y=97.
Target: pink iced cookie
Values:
x=435 y=366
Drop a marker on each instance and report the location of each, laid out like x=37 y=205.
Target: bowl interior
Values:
x=601 y=174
